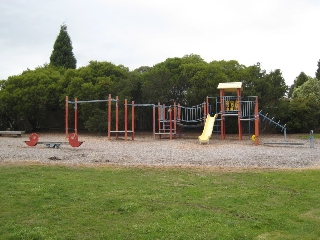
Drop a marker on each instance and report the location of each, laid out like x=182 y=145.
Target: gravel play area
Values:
x=184 y=151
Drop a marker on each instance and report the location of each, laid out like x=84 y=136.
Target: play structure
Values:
x=245 y=109
x=168 y=120
x=34 y=141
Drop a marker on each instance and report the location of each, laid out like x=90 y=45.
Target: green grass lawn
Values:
x=57 y=202
x=307 y=136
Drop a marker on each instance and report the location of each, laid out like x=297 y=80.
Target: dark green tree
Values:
x=318 y=71
x=303 y=115
x=95 y=82
x=169 y=81
x=62 y=55
x=300 y=80
x=31 y=100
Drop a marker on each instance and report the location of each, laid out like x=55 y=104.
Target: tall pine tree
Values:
x=318 y=71
x=62 y=55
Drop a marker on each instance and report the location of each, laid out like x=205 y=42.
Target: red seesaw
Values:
x=73 y=141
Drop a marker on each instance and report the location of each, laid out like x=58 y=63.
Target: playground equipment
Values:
x=283 y=129
x=76 y=102
x=169 y=119
x=166 y=120
x=277 y=124
x=208 y=128
x=34 y=140
x=244 y=110
x=109 y=101
x=193 y=116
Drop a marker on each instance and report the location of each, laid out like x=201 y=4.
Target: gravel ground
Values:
x=185 y=151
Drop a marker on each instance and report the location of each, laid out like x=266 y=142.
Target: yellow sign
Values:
x=231 y=105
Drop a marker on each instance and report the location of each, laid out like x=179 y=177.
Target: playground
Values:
x=168 y=145
x=181 y=152
x=168 y=120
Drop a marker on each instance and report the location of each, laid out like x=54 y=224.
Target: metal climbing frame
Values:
x=76 y=102
x=277 y=124
x=247 y=108
x=194 y=114
x=110 y=101
x=229 y=106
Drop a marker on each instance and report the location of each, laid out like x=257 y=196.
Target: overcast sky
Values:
x=280 y=34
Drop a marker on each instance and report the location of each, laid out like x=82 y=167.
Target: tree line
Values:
x=35 y=99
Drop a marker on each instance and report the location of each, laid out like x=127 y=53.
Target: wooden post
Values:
x=170 y=123
x=207 y=106
x=132 y=121
x=117 y=117
x=126 y=119
x=204 y=111
x=175 y=119
x=164 y=114
x=179 y=112
x=179 y=118
x=159 y=119
x=154 y=122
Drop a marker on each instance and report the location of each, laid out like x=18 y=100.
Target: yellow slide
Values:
x=208 y=128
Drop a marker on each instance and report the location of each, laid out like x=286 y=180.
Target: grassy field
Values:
x=306 y=136
x=58 y=202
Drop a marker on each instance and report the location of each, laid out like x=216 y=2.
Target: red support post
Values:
x=170 y=123
x=126 y=119
x=179 y=111
x=204 y=111
x=117 y=117
x=159 y=119
x=207 y=105
x=179 y=117
x=154 y=122
x=132 y=120
x=163 y=120
x=175 y=119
